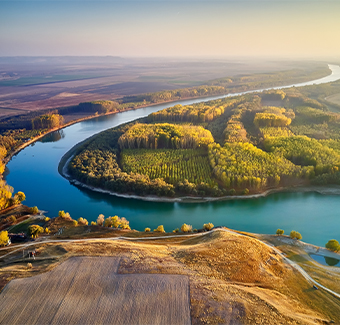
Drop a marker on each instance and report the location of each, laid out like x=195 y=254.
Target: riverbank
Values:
x=211 y=97
x=62 y=169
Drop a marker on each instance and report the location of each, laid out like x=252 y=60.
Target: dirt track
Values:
x=88 y=290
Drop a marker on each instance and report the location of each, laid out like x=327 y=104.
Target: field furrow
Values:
x=88 y=290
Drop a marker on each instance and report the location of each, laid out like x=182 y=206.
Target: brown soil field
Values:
x=233 y=279
x=88 y=290
x=335 y=99
x=107 y=80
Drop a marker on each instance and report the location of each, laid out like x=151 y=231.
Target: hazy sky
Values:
x=300 y=28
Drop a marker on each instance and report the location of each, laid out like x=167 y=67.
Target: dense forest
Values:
x=236 y=145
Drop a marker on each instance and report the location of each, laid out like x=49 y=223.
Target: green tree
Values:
x=333 y=245
x=4 y=238
x=280 y=232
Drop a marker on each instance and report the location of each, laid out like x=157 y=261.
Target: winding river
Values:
x=34 y=171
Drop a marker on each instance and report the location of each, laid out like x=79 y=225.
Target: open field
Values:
x=233 y=279
x=43 y=83
x=88 y=290
x=335 y=99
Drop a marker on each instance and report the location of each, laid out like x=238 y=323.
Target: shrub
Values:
x=4 y=238
x=175 y=230
x=245 y=191
x=232 y=191
x=186 y=228
x=147 y=229
x=75 y=223
x=34 y=210
x=116 y=222
x=100 y=220
x=47 y=231
x=123 y=223
x=65 y=215
x=160 y=228
x=34 y=231
x=93 y=223
x=295 y=235
x=19 y=197
x=29 y=265
x=82 y=221
x=46 y=219
x=298 y=236
x=333 y=245
x=208 y=226
x=280 y=232
x=12 y=219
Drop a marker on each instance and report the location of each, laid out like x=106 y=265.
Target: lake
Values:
x=34 y=171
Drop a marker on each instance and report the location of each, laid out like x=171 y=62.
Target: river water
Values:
x=34 y=171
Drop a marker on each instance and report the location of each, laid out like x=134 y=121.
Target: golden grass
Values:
x=233 y=279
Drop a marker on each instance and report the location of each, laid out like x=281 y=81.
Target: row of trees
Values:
x=156 y=136
x=48 y=121
x=173 y=166
x=196 y=113
x=244 y=165
x=304 y=151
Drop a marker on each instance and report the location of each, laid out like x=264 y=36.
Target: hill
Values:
x=231 y=279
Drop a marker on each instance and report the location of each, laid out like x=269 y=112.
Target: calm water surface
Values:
x=328 y=261
x=35 y=172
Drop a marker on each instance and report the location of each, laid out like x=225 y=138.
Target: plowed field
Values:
x=88 y=290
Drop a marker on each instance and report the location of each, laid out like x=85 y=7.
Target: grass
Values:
x=232 y=279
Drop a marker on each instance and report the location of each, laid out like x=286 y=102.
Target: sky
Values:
x=171 y=28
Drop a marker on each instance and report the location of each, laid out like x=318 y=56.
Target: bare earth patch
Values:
x=88 y=290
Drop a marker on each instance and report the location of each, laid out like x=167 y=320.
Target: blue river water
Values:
x=34 y=171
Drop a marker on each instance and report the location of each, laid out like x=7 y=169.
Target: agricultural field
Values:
x=173 y=165
x=88 y=290
x=233 y=279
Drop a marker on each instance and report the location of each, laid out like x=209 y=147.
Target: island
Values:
x=241 y=145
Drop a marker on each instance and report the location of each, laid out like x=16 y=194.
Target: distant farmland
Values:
x=88 y=290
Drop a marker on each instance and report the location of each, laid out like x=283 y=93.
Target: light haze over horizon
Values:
x=192 y=28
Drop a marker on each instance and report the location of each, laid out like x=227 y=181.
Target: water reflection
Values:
x=53 y=136
x=324 y=260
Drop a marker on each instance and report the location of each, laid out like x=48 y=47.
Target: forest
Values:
x=237 y=145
